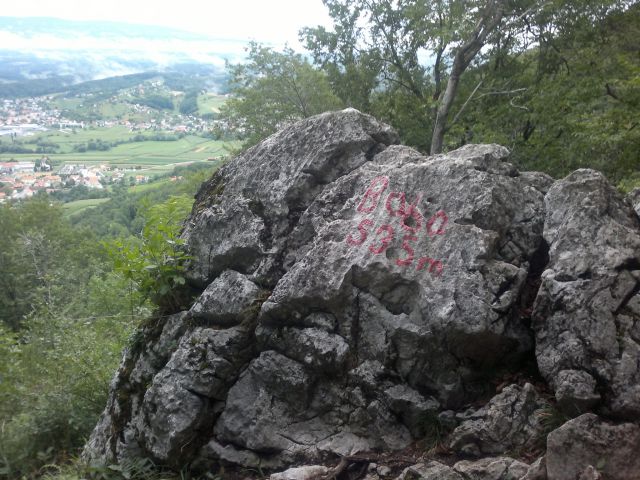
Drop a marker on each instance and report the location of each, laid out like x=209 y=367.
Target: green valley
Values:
x=129 y=129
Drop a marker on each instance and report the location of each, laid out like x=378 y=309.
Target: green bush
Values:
x=154 y=263
x=54 y=378
x=65 y=316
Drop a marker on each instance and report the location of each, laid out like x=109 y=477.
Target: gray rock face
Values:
x=634 y=198
x=243 y=215
x=429 y=471
x=164 y=396
x=190 y=390
x=308 y=472
x=500 y=468
x=230 y=299
x=115 y=437
x=586 y=315
x=354 y=292
x=588 y=445
x=492 y=468
x=509 y=421
x=433 y=273
x=537 y=470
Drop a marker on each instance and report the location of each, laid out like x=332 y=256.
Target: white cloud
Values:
x=270 y=21
x=101 y=51
x=224 y=28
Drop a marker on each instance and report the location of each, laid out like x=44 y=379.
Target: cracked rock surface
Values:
x=354 y=293
x=587 y=312
x=590 y=443
x=509 y=421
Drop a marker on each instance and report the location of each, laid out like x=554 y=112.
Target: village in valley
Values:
x=54 y=143
x=147 y=106
x=22 y=180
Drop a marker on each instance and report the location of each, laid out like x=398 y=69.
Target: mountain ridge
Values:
x=39 y=50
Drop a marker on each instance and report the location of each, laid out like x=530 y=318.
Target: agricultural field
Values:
x=72 y=208
x=67 y=139
x=210 y=103
x=148 y=157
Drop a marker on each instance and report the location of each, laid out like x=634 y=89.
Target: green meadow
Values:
x=210 y=103
x=72 y=208
x=150 y=157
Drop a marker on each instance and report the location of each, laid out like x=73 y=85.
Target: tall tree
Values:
x=372 y=48
x=44 y=262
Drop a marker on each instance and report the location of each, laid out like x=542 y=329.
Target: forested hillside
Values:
x=73 y=291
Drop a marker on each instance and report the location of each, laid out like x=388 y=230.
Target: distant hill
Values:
x=41 y=55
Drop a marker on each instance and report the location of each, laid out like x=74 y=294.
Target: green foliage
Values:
x=107 y=86
x=65 y=318
x=121 y=216
x=55 y=375
x=352 y=71
x=67 y=315
x=159 y=102
x=189 y=104
x=434 y=431
x=35 y=86
x=571 y=102
x=272 y=90
x=411 y=118
x=128 y=469
x=376 y=49
x=45 y=263
x=78 y=192
x=557 y=81
x=550 y=418
x=155 y=262
x=630 y=183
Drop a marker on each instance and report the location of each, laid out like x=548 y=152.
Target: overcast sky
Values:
x=269 y=21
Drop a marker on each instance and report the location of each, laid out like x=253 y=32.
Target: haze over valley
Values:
x=66 y=52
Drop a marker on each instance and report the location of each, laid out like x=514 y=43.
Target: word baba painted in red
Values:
x=412 y=225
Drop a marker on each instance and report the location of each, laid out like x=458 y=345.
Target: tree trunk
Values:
x=439 y=129
x=489 y=21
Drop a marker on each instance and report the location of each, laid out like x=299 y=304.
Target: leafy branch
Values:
x=155 y=261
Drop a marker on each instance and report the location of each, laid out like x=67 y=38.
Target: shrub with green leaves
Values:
x=154 y=263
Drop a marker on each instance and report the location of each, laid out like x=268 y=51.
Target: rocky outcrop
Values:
x=587 y=312
x=587 y=445
x=357 y=296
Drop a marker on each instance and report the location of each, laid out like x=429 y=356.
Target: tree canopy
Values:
x=421 y=65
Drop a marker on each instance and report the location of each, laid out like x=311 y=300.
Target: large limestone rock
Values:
x=587 y=313
x=353 y=289
x=244 y=214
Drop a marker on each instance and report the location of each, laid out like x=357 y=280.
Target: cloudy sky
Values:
x=229 y=24
x=269 y=21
